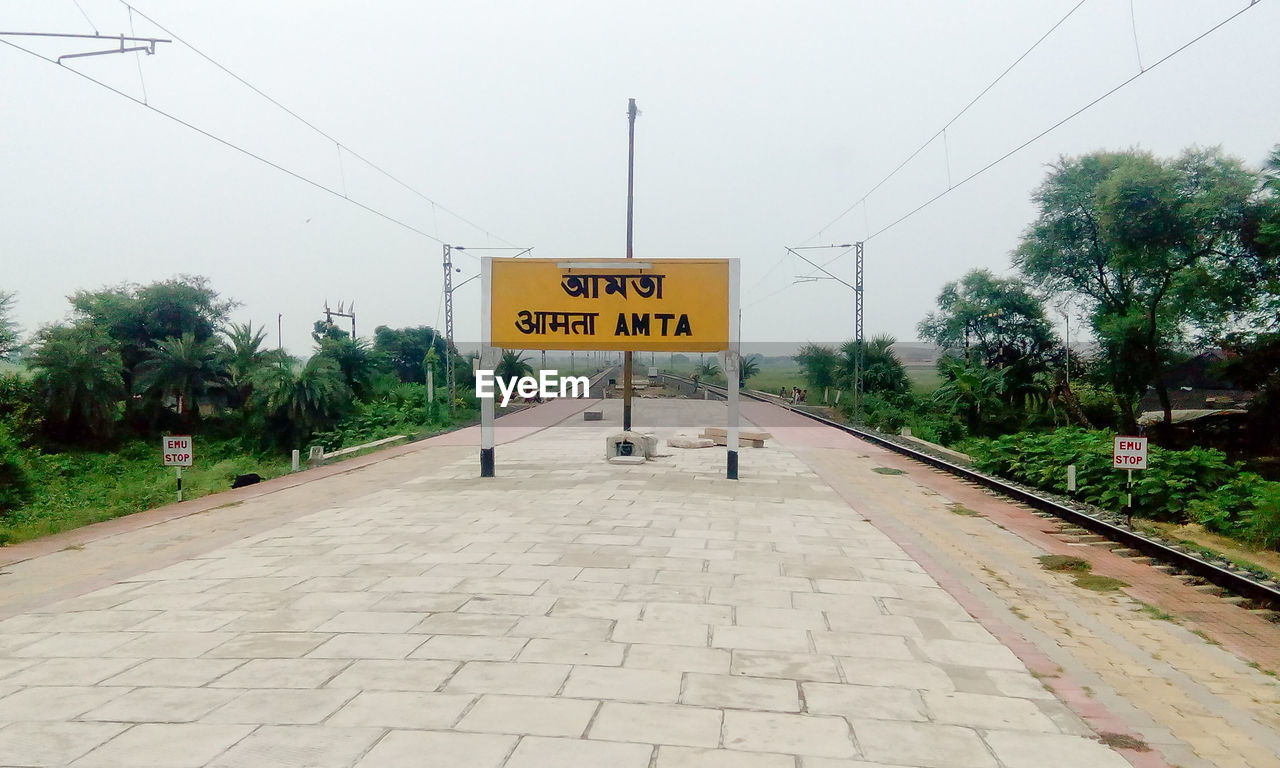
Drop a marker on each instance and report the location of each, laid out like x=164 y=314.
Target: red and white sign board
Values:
x=176 y=450
x=1129 y=453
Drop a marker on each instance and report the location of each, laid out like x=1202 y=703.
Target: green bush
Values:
x=15 y=474
x=1198 y=484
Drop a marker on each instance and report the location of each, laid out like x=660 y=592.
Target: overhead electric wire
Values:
x=312 y=126
x=227 y=143
x=941 y=131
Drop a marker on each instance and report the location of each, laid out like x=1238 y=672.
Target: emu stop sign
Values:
x=1129 y=453
x=176 y=450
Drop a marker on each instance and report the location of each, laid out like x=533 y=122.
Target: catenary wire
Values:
x=312 y=125
x=227 y=143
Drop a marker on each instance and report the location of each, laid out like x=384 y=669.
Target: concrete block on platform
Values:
x=626 y=460
x=682 y=441
x=597 y=415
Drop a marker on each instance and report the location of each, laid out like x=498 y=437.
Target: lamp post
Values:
x=856 y=286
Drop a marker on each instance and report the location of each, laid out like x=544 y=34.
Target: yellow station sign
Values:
x=642 y=305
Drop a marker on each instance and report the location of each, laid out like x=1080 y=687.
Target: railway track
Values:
x=1264 y=594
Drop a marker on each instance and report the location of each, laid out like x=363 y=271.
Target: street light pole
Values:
x=631 y=167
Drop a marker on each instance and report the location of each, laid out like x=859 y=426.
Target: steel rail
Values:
x=1233 y=582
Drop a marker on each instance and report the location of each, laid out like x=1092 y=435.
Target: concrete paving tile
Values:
x=280 y=673
x=188 y=621
x=394 y=675
x=54 y=703
x=896 y=674
x=664 y=593
x=729 y=692
x=96 y=621
x=562 y=651
x=402 y=709
x=64 y=671
x=761 y=639
x=470 y=648
x=587 y=590
x=691 y=757
x=165 y=745
x=557 y=626
x=816 y=735
x=1020 y=684
x=280 y=707
x=500 y=586
x=864 y=646
x=979 y=711
x=660 y=633
x=622 y=684
x=372 y=621
x=52 y=744
x=657 y=724
x=73 y=645
x=595 y=609
x=692 y=613
x=421 y=584
x=864 y=701
x=487 y=625
x=961 y=653
x=529 y=715
x=336 y=601
x=546 y=752
x=511 y=678
x=280 y=621
x=787 y=666
x=175 y=673
x=367 y=646
x=417 y=602
x=511 y=605
x=299 y=746
x=921 y=744
x=474 y=750
x=268 y=645
x=1035 y=750
x=161 y=705
x=785 y=618
x=155 y=645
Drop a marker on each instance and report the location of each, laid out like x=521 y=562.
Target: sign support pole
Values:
x=487 y=362
x=179 y=483
x=731 y=373
x=631 y=167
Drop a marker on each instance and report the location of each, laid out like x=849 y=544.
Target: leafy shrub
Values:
x=1199 y=483
x=15 y=474
x=1261 y=521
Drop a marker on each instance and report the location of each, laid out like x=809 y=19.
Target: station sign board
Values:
x=176 y=450
x=1129 y=453
x=640 y=305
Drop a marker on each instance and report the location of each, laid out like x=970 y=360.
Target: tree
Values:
x=882 y=371
x=819 y=366
x=970 y=391
x=8 y=328
x=294 y=406
x=747 y=367
x=244 y=357
x=354 y=359
x=997 y=320
x=325 y=329
x=707 y=370
x=512 y=366
x=1156 y=248
x=405 y=350
x=186 y=369
x=80 y=376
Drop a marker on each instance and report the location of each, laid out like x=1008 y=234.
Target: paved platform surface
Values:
x=566 y=613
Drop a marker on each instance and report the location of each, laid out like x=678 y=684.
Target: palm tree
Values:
x=80 y=376
x=707 y=370
x=970 y=390
x=295 y=406
x=512 y=366
x=188 y=370
x=354 y=359
x=818 y=365
x=881 y=369
x=748 y=367
x=244 y=357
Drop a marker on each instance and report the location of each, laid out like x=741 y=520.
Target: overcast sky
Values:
x=760 y=123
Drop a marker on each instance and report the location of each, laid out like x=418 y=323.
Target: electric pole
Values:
x=631 y=167
x=448 y=323
x=857 y=333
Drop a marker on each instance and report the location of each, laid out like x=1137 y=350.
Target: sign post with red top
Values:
x=175 y=450
x=1129 y=453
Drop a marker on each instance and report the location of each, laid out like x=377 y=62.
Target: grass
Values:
x=1123 y=741
x=75 y=489
x=1081 y=570
x=888 y=471
x=1155 y=612
x=1196 y=537
x=962 y=510
x=924 y=379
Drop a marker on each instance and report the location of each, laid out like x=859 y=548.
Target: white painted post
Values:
x=295 y=459
x=179 y=482
x=488 y=361
x=431 y=386
x=1071 y=478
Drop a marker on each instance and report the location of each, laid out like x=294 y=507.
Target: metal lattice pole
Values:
x=448 y=322
x=859 y=340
